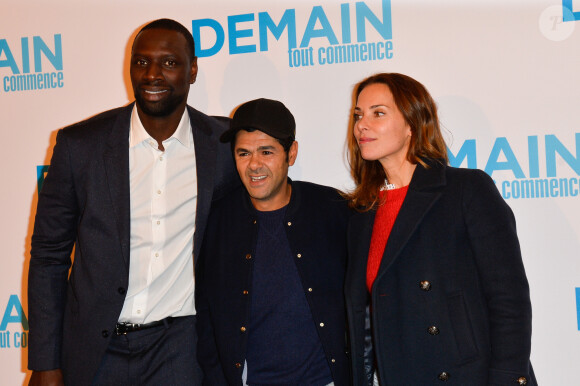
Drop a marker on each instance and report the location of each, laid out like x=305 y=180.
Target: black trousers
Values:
x=162 y=355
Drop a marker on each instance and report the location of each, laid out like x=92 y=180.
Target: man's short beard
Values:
x=162 y=108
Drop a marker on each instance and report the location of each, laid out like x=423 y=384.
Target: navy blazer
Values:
x=316 y=220
x=451 y=299
x=84 y=202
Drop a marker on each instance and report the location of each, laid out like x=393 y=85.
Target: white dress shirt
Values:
x=163 y=206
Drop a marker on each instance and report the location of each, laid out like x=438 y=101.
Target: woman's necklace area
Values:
x=387 y=186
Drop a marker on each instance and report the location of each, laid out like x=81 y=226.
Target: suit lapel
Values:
x=205 y=158
x=116 y=161
x=360 y=230
x=421 y=196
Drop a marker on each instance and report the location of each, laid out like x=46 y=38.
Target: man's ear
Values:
x=292 y=153
x=193 y=74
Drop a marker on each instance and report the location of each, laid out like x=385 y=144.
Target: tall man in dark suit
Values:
x=270 y=290
x=131 y=190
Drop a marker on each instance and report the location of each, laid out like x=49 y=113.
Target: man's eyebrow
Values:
x=264 y=147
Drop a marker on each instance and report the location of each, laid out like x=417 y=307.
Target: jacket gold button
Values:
x=243 y=329
x=433 y=330
x=425 y=285
x=245 y=292
x=522 y=381
x=299 y=255
x=321 y=324
x=289 y=223
x=248 y=256
x=444 y=376
x=238 y=365
x=309 y=289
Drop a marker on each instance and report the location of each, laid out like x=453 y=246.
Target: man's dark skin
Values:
x=162 y=70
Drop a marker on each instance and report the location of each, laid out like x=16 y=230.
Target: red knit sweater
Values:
x=384 y=220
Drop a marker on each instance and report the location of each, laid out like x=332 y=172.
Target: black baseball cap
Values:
x=266 y=115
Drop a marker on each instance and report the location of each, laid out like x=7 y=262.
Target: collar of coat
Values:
x=429 y=177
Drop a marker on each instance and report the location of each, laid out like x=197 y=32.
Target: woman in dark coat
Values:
x=436 y=289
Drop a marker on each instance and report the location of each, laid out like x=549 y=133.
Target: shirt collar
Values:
x=138 y=134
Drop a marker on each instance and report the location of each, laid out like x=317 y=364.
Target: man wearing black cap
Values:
x=270 y=280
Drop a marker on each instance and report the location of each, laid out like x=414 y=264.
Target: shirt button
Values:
x=243 y=329
x=156 y=254
x=159 y=192
x=425 y=285
x=248 y=256
x=433 y=330
x=161 y=158
x=321 y=324
x=158 y=222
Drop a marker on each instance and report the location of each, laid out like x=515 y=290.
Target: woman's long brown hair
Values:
x=420 y=113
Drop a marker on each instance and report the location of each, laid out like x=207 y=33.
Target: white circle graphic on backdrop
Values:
x=552 y=24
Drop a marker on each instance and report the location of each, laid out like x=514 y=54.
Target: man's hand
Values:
x=46 y=378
